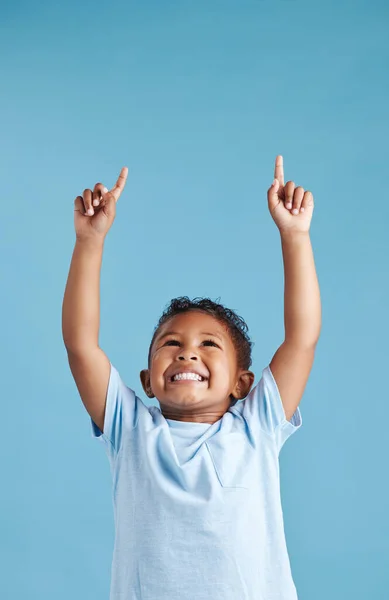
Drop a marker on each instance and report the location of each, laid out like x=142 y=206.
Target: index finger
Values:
x=119 y=185
x=279 y=169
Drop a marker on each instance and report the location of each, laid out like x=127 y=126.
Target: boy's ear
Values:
x=243 y=385
x=145 y=379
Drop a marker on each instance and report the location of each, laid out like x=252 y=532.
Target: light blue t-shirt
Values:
x=197 y=507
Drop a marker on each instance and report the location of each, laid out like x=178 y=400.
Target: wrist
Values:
x=90 y=243
x=294 y=235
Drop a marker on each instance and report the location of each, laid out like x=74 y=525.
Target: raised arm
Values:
x=89 y=365
x=292 y=208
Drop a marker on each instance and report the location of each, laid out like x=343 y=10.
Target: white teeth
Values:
x=193 y=376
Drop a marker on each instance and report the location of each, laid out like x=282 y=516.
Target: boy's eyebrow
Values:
x=212 y=334
x=202 y=333
x=160 y=337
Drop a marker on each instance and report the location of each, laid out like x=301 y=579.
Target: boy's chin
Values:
x=182 y=398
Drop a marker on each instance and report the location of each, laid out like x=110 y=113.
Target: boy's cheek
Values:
x=157 y=383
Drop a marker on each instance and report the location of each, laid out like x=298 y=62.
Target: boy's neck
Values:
x=208 y=417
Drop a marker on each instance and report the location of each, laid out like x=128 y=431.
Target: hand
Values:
x=290 y=207
x=95 y=211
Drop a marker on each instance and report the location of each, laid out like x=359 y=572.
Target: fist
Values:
x=94 y=211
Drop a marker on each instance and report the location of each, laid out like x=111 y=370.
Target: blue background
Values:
x=197 y=99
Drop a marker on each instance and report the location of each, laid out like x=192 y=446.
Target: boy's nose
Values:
x=187 y=356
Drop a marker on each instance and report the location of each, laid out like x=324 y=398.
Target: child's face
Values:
x=198 y=343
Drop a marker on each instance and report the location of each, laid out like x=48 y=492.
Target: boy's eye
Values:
x=176 y=342
x=210 y=342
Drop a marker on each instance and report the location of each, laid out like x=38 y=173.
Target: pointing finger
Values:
x=279 y=169
x=119 y=185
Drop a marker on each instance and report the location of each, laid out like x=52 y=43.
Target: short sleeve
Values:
x=263 y=408
x=120 y=413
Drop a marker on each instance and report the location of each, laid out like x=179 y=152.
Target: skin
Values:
x=203 y=343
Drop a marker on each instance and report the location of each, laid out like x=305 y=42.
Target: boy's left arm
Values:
x=292 y=363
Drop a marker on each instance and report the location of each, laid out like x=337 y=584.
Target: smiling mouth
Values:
x=186 y=379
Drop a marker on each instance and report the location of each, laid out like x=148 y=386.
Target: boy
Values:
x=196 y=482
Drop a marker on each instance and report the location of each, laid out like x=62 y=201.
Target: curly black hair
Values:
x=235 y=325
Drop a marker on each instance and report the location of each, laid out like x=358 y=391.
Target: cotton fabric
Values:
x=197 y=506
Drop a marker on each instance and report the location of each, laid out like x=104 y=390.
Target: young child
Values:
x=196 y=493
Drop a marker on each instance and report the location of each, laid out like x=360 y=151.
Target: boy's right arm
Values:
x=89 y=365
